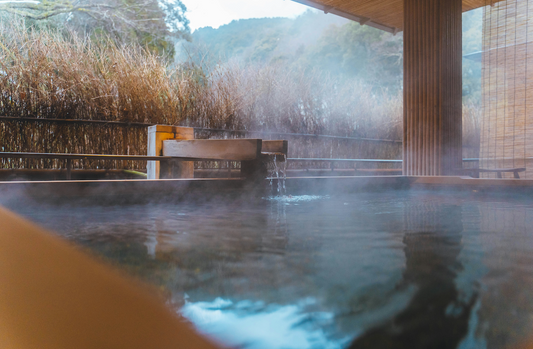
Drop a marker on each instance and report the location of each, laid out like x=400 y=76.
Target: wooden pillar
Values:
x=432 y=143
x=156 y=135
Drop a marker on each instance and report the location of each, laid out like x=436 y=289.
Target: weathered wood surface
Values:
x=214 y=149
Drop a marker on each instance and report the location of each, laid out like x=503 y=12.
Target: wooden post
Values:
x=255 y=171
x=432 y=143
x=156 y=135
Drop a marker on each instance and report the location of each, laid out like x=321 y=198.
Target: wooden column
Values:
x=432 y=143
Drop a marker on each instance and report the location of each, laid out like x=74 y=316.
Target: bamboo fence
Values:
x=507 y=84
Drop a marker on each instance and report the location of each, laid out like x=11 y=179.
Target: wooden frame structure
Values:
x=179 y=144
x=387 y=15
x=432 y=143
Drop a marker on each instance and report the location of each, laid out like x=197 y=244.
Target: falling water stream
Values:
x=277 y=174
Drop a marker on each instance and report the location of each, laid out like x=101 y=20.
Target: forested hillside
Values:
x=342 y=49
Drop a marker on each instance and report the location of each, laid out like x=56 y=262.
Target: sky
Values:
x=214 y=13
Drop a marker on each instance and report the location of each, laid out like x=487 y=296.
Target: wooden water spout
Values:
x=178 y=144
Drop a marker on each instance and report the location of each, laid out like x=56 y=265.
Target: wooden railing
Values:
x=248 y=151
x=238 y=150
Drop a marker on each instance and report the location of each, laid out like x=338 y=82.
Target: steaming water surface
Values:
x=383 y=270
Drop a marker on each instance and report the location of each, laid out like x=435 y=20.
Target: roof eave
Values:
x=360 y=19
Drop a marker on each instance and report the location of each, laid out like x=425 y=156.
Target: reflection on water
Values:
x=380 y=270
x=435 y=317
x=258 y=326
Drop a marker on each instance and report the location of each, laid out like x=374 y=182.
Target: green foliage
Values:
x=361 y=52
x=313 y=40
x=154 y=24
x=175 y=19
x=342 y=49
x=244 y=38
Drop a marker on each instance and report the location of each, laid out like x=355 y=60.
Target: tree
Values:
x=177 y=23
x=155 y=25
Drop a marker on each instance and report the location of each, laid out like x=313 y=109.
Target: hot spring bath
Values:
x=414 y=269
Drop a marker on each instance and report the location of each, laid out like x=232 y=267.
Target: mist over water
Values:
x=387 y=270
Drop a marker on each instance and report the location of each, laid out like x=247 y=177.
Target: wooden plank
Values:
x=472 y=182
x=214 y=149
x=518 y=169
x=474 y=172
x=345 y=160
x=53 y=295
x=342 y=172
x=275 y=146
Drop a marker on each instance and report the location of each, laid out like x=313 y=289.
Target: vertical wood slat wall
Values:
x=507 y=86
x=432 y=87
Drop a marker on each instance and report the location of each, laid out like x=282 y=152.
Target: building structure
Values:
x=432 y=30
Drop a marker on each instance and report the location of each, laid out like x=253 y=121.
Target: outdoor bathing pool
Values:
x=397 y=269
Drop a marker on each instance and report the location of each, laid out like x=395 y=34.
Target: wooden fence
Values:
x=120 y=138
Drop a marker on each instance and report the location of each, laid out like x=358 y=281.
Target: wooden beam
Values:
x=348 y=15
x=364 y=21
x=214 y=149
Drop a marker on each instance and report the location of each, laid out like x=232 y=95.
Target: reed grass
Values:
x=45 y=74
x=52 y=75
